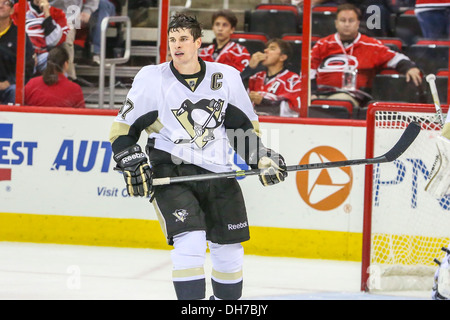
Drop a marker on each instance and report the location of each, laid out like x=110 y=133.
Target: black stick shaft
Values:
x=407 y=138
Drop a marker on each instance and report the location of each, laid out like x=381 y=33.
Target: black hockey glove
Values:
x=273 y=168
x=132 y=162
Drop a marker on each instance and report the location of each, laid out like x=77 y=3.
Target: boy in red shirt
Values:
x=276 y=90
x=223 y=50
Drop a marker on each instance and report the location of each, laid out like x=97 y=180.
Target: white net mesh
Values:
x=409 y=227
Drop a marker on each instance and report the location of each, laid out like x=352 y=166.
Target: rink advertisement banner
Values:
x=57 y=184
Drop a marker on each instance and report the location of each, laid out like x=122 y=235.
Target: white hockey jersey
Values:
x=187 y=123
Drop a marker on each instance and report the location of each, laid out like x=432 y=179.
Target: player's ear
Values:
x=198 y=42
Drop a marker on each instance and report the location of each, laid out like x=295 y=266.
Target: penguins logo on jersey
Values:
x=338 y=63
x=199 y=120
x=180 y=215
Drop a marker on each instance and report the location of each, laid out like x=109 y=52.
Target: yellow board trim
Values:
x=138 y=233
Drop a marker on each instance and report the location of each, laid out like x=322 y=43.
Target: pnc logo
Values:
x=324 y=189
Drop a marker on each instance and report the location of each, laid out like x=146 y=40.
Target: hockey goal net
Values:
x=404 y=227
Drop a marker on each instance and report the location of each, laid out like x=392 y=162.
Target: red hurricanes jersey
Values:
x=35 y=29
x=329 y=59
x=233 y=54
x=286 y=85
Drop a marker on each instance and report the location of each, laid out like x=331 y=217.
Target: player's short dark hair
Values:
x=183 y=21
x=227 y=14
x=285 y=47
x=349 y=6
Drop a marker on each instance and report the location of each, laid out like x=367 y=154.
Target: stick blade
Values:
x=407 y=138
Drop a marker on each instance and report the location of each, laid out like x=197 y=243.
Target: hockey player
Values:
x=222 y=49
x=441 y=287
x=439 y=182
x=193 y=111
x=276 y=87
x=358 y=56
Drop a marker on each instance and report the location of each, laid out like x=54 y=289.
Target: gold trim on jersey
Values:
x=155 y=127
x=161 y=220
x=192 y=82
x=256 y=128
x=118 y=129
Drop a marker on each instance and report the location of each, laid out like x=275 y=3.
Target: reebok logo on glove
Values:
x=133 y=157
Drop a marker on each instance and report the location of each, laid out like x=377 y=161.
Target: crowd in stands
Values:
x=50 y=73
x=343 y=63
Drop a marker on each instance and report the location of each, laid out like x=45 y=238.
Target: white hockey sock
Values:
x=188 y=258
x=227 y=276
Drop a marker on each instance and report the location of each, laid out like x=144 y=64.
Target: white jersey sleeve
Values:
x=141 y=98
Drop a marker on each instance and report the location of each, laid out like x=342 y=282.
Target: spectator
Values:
x=46 y=27
x=76 y=19
x=92 y=13
x=105 y=9
x=275 y=90
x=434 y=18
x=377 y=16
x=53 y=88
x=359 y=57
x=8 y=52
x=222 y=49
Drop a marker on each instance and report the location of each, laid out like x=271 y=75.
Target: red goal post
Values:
x=404 y=228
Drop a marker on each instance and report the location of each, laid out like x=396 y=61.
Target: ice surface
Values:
x=30 y=271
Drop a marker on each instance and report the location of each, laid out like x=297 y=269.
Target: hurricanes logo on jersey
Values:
x=199 y=120
x=338 y=63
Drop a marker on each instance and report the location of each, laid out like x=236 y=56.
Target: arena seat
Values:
x=297 y=36
x=295 y=40
x=280 y=7
x=322 y=23
x=324 y=8
x=393 y=43
x=393 y=87
x=430 y=58
x=407 y=28
x=442 y=72
x=253 y=41
x=443 y=42
x=328 y=111
x=335 y=102
x=294 y=63
x=274 y=23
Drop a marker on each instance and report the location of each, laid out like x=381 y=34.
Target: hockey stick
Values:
x=437 y=164
x=407 y=138
x=431 y=78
